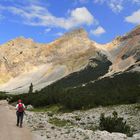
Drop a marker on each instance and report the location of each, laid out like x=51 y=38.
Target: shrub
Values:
x=3 y=96
x=114 y=124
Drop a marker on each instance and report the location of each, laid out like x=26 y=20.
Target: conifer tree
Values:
x=31 y=88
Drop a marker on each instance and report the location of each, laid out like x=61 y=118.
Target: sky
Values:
x=47 y=20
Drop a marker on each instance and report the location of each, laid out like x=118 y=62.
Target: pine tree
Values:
x=31 y=88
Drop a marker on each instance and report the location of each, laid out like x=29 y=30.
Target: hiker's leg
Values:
x=17 y=118
x=21 y=119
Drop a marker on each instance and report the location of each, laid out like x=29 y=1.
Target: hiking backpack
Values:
x=20 y=108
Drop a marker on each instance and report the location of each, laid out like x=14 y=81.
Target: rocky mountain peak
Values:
x=118 y=40
x=76 y=33
x=23 y=39
x=79 y=31
x=133 y=33
x=23 y=61
x=17 y=43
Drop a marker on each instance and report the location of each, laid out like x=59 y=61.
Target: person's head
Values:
x=19 y=101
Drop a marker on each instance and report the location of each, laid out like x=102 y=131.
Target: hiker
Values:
x=20 y=107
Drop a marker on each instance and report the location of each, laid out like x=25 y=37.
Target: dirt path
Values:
x=8 y=128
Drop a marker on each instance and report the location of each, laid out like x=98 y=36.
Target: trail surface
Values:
x=8 y=128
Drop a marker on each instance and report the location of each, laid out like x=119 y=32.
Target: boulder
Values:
x=29 y=107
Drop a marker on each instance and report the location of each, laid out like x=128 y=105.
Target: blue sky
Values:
x=46 y=20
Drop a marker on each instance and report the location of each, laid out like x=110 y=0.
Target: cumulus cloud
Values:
x=81 y=15
x=134 y=18
x=40 y=16
x=98 y=31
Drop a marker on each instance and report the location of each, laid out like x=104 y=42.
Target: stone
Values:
x=29 y=107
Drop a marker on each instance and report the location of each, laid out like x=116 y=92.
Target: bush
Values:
x=3 y=96
x=114 y=124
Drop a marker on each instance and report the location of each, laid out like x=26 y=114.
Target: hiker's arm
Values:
x=17 y=107
x=24 y=107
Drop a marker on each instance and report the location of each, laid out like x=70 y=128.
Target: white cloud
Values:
x=98 y=31
x=81 y=15
x=40 y=16
x=115 y=5
x=134 y=18
x=47 y=30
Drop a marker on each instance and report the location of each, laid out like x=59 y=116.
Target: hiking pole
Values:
x=25 y=113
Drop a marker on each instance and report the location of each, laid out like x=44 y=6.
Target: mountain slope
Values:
x=120 y=57
x=124 y=51
x=114 y=79
x=23 y=61
x=73 y=57
x=96 y=67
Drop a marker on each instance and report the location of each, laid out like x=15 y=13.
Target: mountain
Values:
x=124 y=52
x=72 y=61
x=23 y=61
x=111 y=76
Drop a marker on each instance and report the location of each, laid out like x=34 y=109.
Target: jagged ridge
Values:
x=23 y=61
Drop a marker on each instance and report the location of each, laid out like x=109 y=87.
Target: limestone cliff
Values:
x=23 y=61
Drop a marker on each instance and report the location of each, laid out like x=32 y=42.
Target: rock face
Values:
x=22 y=61
x=124 y=51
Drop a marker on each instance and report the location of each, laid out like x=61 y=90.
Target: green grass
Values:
x=60 y=123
